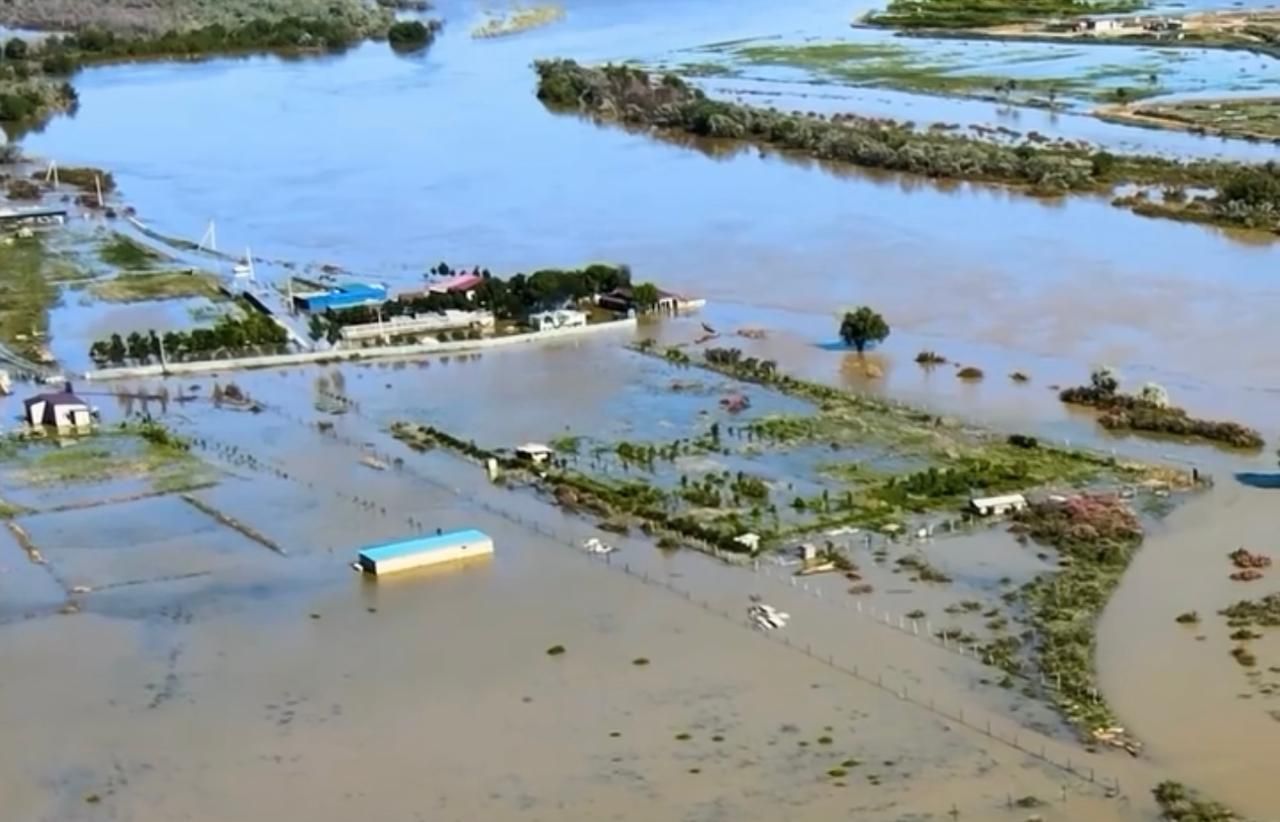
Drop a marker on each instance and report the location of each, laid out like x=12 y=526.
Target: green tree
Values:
x=116 y=351
x=139 y=347
x=15 y=49
x=409 y=35
x=315 y=328
x=333 y=333
x=862 y=327
x=645 y=296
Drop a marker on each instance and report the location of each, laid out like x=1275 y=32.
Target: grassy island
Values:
x=973 y=14
x=1245 y=195
x=1151 y=412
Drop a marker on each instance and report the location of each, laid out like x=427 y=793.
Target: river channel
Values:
x=386 y=165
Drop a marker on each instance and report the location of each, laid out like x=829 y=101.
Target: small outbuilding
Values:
x=419 y=552
x=534 y=452
x=997 y=506
x=62 y=410
x=549 y=320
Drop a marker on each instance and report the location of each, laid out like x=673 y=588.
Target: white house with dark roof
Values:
x=59 y=409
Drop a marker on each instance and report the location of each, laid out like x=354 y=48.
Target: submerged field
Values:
x=1254 y=118
x=1066 y=76
x=870 y=484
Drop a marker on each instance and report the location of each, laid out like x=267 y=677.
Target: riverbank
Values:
x=667 y=103
x=35 y=82
x=339 y=355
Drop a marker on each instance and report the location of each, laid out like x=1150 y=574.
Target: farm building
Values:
x=998 y=506
x=548 y=320
x=419 y=325
x=623 y=300
x=419 y=552
x=61 y=410
x=1098 y=24
x=348 y=295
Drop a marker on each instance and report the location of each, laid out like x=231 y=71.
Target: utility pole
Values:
x=97 y=182
x=164 y=363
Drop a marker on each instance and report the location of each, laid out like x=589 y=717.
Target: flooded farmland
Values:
x=239 y=667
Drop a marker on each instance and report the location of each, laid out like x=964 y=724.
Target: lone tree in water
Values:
x=862 y=327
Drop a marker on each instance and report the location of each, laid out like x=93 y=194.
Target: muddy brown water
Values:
x=215 y=695
x=433 y=695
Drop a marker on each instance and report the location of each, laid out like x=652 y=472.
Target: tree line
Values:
x=1244 y=194
x=510 y=299
x=228 y=335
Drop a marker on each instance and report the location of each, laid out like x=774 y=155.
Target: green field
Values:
x=160 y=285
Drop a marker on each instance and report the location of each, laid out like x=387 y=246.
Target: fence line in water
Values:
x=1026 y=741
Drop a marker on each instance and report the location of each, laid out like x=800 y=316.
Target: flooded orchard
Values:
x=184 y=635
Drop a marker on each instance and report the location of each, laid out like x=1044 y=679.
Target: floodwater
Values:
x=1176 y=685
x=433 y=696
x=413 y=171
x=1086 y=75
x=387 y=165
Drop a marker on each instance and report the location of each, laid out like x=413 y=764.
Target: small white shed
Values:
x=62 y=410
x=534 y=452
x=998 y=506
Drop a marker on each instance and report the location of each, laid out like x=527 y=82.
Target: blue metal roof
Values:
x=416 y=545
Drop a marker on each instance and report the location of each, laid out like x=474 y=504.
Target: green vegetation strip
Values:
x=126 y=253
x=33 y=74
x=28 y=277
x=975 y=14
x=1150 y=412
x=1244 y=117
x=146 y=451
x=1246 y=195
x=1095 y=534
x=1180 y=804
x=161 y=285
x=891 y=65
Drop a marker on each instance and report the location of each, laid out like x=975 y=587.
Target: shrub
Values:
x=970 y=372
x=409 y=35
x=1154 y=394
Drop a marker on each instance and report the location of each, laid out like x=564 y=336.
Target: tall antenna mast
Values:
x=209 y=240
